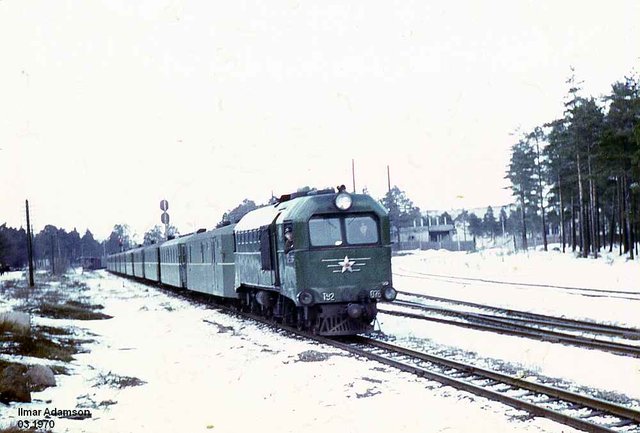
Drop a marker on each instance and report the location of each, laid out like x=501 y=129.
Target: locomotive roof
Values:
x=304 y=207
x=301 y=209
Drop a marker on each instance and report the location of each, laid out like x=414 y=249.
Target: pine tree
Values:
x=521 y=174
x=489 y=223
x=89 y=246
x=536 y=136
x=620 y=156
x=402 y=212
x=558 y=163
x=475 y=225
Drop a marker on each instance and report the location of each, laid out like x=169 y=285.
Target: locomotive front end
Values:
x=340 y=262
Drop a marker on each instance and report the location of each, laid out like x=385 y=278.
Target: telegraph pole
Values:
x=388 y=179
x=353 y=174
x=29 y=246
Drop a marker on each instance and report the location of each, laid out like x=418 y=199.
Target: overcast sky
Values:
x=107 y=107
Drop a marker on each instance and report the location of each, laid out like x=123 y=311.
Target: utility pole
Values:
x=353 y=174
x=29 y=246
x=388 y=179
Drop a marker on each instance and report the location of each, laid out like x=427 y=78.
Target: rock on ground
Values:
x=14 y=384
x=41 y=376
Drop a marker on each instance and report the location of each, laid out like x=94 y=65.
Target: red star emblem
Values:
x=346 y=264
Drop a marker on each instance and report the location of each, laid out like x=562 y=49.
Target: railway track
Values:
x=575 y=410
x=560 y=322
x=579 y=411
x=529 y=328
x=606 y=293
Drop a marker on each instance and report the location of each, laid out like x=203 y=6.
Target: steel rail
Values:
x=620 y=331
x=524 y=331
x=595 y=293
x=514 y=283
x=461 y=376
x=548 y=321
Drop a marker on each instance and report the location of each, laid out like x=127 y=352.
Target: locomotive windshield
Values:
x=361 y=230
x=325 y=231
x=343 y=230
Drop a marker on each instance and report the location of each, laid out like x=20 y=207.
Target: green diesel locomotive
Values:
x=319 y=260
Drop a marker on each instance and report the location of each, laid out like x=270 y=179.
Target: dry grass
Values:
x=70 y=310
x=115 y=381
x=7 y=327
x=38 y=345
x=58 y=297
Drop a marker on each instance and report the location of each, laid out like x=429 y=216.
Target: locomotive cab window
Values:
x=343 y=230
x=361 y=230
x=325 y=232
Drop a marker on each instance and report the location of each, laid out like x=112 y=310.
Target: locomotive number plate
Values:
x=376 y=293
x=328 y=296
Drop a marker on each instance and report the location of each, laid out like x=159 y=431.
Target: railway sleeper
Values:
x=503 y=388
x=548 y=400
x=622 y=423
x=595 y=413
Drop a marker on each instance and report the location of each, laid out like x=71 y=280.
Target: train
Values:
x=316 y=260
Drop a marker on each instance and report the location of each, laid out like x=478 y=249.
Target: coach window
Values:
x=361 y=230
x=325 y=231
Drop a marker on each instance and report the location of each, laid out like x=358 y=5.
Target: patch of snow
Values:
x=203 y=370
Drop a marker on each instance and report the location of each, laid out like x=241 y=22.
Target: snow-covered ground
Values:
x=204 y=370
x=553 y=268
x=603 y=371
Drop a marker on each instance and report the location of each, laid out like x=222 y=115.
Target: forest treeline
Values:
x=49 y=242
x=579 y=176
x=68 y=247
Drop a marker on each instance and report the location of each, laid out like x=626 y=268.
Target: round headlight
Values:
x=343 y=201
x=354 y=310
x=389 y=293
x=305 y=298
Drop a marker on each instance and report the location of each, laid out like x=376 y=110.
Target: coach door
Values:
x=285 y=244
x=182 y=264
x=268 y=254
x=158 y=263
x=217 y=265
x=144 y=264
x=273 y=252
